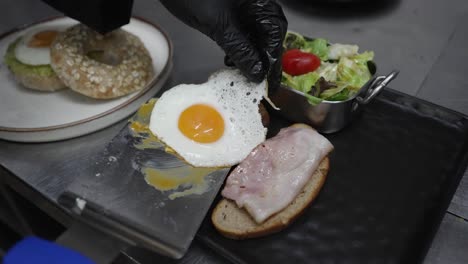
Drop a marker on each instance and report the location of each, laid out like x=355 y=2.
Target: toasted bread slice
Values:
x=236 y=223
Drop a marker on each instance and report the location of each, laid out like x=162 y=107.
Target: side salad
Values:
x=324 y=71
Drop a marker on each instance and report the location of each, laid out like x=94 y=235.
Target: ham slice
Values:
x=276 y=171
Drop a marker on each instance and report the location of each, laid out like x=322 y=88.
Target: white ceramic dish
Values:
x=30 y=116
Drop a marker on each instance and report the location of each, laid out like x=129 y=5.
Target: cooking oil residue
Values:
x=139 y=127
x=191 y=178
x=182 y=181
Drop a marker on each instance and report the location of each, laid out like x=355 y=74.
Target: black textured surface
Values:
x=393 y=173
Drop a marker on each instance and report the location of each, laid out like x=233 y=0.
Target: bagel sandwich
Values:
x=28 y=59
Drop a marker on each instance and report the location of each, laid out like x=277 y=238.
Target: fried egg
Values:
x=34 y=46
x=212 y=124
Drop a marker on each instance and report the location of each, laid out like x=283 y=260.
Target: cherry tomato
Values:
x=296 y=62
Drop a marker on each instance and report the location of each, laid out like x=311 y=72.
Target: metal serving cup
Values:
x=329 y=116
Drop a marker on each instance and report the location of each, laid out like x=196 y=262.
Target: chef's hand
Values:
x=250 y=32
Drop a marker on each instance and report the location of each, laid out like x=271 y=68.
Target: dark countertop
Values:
x=424 y=39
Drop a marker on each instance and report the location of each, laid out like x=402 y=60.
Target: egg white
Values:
x=33 y=55
x=234 y=98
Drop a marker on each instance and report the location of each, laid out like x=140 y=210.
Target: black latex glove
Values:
x=101 y=15
x=250 y=32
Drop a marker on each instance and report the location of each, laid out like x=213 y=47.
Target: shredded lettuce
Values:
x=328 y=71
x=301 y=83
x=318 y=47
x=336 y=51
x=363 y=58
x=330 y=92
x=355 y=75
x=341 y=96
x=293 y=41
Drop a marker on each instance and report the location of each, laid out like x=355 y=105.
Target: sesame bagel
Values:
x=122 y=64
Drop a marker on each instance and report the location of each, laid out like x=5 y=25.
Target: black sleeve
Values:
x=100 y=15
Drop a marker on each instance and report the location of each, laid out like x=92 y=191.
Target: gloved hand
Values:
x=250 y=32
x=101 y=15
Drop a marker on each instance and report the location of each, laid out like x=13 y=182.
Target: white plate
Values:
x=30 y=116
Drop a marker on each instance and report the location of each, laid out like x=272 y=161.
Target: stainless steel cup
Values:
x=328 y=116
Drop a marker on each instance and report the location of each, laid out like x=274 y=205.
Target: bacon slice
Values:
x=276 y=171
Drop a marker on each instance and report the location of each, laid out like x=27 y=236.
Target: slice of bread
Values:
x=236 y=223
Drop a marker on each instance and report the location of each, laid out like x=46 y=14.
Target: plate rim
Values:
x=148 y=87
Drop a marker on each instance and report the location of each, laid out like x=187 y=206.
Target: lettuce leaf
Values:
x=328 y=71
x=301 y=83
x=331 y=92
x=355 y=75
x=319 y=47
x=337 y=51
x=341 y=96
x=363 y=58
x=293 y=41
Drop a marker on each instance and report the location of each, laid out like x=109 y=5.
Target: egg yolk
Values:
x=42 y=39
x=201 y=123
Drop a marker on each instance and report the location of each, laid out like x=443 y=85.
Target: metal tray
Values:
x=393 y=173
